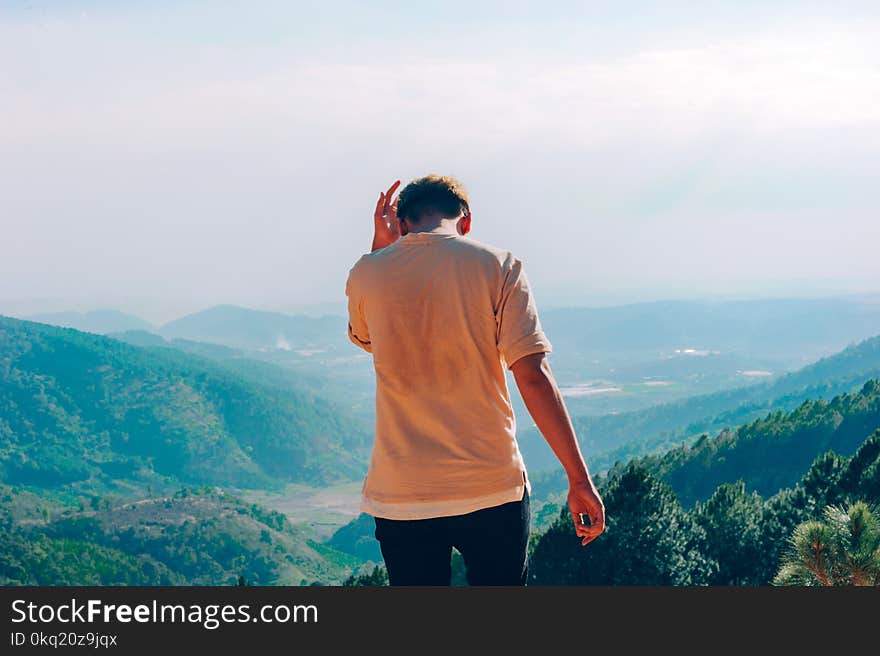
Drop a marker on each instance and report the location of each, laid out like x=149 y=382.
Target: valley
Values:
x=265 y=420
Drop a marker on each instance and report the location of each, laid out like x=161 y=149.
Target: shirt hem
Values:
x=449 y=508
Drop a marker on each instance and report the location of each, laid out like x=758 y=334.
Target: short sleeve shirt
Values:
x=443 y=316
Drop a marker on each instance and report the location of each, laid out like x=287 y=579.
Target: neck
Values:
x=443 y=226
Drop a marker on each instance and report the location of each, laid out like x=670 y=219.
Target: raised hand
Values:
x=386 y=226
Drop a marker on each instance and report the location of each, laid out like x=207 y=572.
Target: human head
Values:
x=431 y=199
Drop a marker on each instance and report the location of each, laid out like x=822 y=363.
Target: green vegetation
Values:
x=357 y=538
x=195 y=537
x=732 y=538
x=376 y=576
x=82 y=411
x=101 y=441
x=844 y=549
x=772 y=452
x=649 y=540
x=39 y=560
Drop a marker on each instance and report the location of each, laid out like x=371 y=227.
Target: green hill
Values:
x=82 y=410
x=195 y=537
x=357 y=538
x=136 y=337
x=38 y=560
x=771 y=453
x=734 y=537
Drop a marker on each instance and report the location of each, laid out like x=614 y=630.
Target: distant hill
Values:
x=771 y=453
x=777 y=330
x=145 y=338
x=788 y=327
x=96 y=321
x=619 y=436
x=78 y=409
x=235 y=326
x=139 y=338
x=645 y=354
x=193 y=537
x=357 y=538
x=273 y=367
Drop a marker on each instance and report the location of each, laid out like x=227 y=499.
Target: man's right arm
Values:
x=358 y=332
x=543 y=399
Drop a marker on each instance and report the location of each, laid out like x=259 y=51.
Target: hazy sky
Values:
x=161 y=157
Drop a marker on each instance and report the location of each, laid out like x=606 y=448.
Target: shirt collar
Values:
x=428 y=236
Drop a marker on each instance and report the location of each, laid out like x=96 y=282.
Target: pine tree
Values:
x=732 y=520
x=822 y=481
x=861 y=477
x=378 y=576
x=783 y=512
x=844 y=549
x=649 y=540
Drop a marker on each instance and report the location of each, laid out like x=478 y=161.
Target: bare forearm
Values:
x=547 y=407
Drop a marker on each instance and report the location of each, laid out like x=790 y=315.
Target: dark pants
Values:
x=492 y=541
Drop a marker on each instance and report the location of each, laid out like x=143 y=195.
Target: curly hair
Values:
x=442 y=194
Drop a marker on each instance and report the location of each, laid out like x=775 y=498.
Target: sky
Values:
x=162 y=157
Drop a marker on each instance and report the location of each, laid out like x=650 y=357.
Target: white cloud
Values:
x=239 y=151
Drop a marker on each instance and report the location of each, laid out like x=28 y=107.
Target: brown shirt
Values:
x=443 y=315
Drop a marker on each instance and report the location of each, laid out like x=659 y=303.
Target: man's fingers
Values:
x=380 y=205
x=581 y=529
x=589 y=536
x=588 y=532
x=584 y=531
x=389 y=194
x=588 y=539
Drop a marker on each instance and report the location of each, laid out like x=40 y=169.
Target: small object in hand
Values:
x=585 y=519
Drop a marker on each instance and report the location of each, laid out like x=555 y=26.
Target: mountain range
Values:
x=86 y=410
x=101 y=438
x=612 y=437
x=787 y=329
